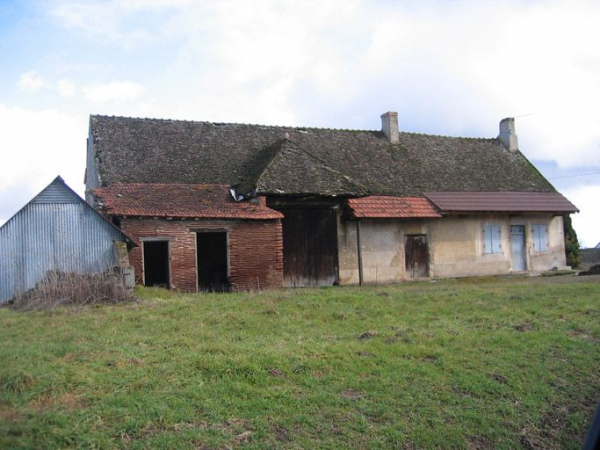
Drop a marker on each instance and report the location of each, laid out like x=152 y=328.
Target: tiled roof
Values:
x=284 y=168
x=131 y=150
x=381 y=207
x=501 y=201
x=178 y=200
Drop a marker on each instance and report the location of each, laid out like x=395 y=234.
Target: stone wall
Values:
x=589 y=257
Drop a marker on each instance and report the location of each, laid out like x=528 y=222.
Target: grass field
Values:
x=478 y=363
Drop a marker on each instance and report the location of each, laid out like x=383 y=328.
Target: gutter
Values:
x=359 y=254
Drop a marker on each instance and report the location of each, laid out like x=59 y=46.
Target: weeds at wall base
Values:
x=73 y=289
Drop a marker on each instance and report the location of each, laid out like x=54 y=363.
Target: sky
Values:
x=448 y=68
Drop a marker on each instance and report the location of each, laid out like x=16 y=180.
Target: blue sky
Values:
x=451 y=68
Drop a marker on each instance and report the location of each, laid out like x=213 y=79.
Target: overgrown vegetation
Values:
x=571 y=243
x=68 y=288
x=481 y=363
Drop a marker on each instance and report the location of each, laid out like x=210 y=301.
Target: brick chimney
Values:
x=507 y=135
x=389 y=126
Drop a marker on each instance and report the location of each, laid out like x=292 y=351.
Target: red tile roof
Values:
x=501 y=201
x=211 y=201
x=381 y=207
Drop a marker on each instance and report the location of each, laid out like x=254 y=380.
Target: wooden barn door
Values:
x=416 y=253
x=310 y=256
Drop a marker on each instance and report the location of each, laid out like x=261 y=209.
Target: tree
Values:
x=571 y=243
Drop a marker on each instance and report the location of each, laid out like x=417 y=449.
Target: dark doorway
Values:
x=416 y=254
x=212 y=261
x=156 y=263
x=310 y=252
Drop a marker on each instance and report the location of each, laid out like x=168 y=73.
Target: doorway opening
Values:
x=416 y=255
x=517 y=247
x=156 y=263
x=213 y=268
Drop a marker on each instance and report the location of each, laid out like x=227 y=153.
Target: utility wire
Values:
x=573 y=176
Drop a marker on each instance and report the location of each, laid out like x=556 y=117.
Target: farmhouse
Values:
x=56 y=231
x=214 y=206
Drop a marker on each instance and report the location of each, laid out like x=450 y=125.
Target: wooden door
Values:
x=310 y=253
x=416 y=254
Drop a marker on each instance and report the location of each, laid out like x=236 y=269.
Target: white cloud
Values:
x=66 y=88
x=116 y=90
x=586 y=221
x=31 y=81
x=36 y=146
x=106 y=19
x=448 y=68
x=452 y=68
x=96 y=93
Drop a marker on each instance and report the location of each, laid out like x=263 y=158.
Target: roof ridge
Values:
x=445 y=136
x=282 y=127
x=162 y=184
x=288 y=127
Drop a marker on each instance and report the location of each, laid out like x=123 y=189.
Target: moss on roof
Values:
x=328 y=161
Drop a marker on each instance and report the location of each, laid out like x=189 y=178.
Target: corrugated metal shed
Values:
x=56 y=230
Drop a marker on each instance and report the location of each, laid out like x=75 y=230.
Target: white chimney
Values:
x=507 y=136
x=389 y=126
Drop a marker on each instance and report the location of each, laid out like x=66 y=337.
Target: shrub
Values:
x=67 y=288
x=571 y=244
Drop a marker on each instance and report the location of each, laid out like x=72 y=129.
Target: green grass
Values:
x=480 y=363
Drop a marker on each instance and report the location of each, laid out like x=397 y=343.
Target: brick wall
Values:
x=255 y=250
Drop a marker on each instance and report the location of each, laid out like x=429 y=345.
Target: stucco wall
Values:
x=455 y=247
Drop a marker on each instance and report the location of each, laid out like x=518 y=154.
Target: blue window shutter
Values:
x=544 y=238
x=540 y=238
x=496 y=239
x=492 y=241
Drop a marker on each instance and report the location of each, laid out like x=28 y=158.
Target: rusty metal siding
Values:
x=53 y=236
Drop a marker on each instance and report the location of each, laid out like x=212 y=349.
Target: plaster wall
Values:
x=382 y=243
x=456 y=247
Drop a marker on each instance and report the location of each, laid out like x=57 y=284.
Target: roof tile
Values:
x=131 y=150
x=382 y=207
x=212 y=201
x=501 y=201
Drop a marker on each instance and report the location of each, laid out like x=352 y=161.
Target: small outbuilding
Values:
x=56 y=231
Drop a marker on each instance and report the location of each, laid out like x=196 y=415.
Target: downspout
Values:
x=359 y=253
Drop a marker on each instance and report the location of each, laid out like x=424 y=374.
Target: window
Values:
x=540 y=238
x=491 y=239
